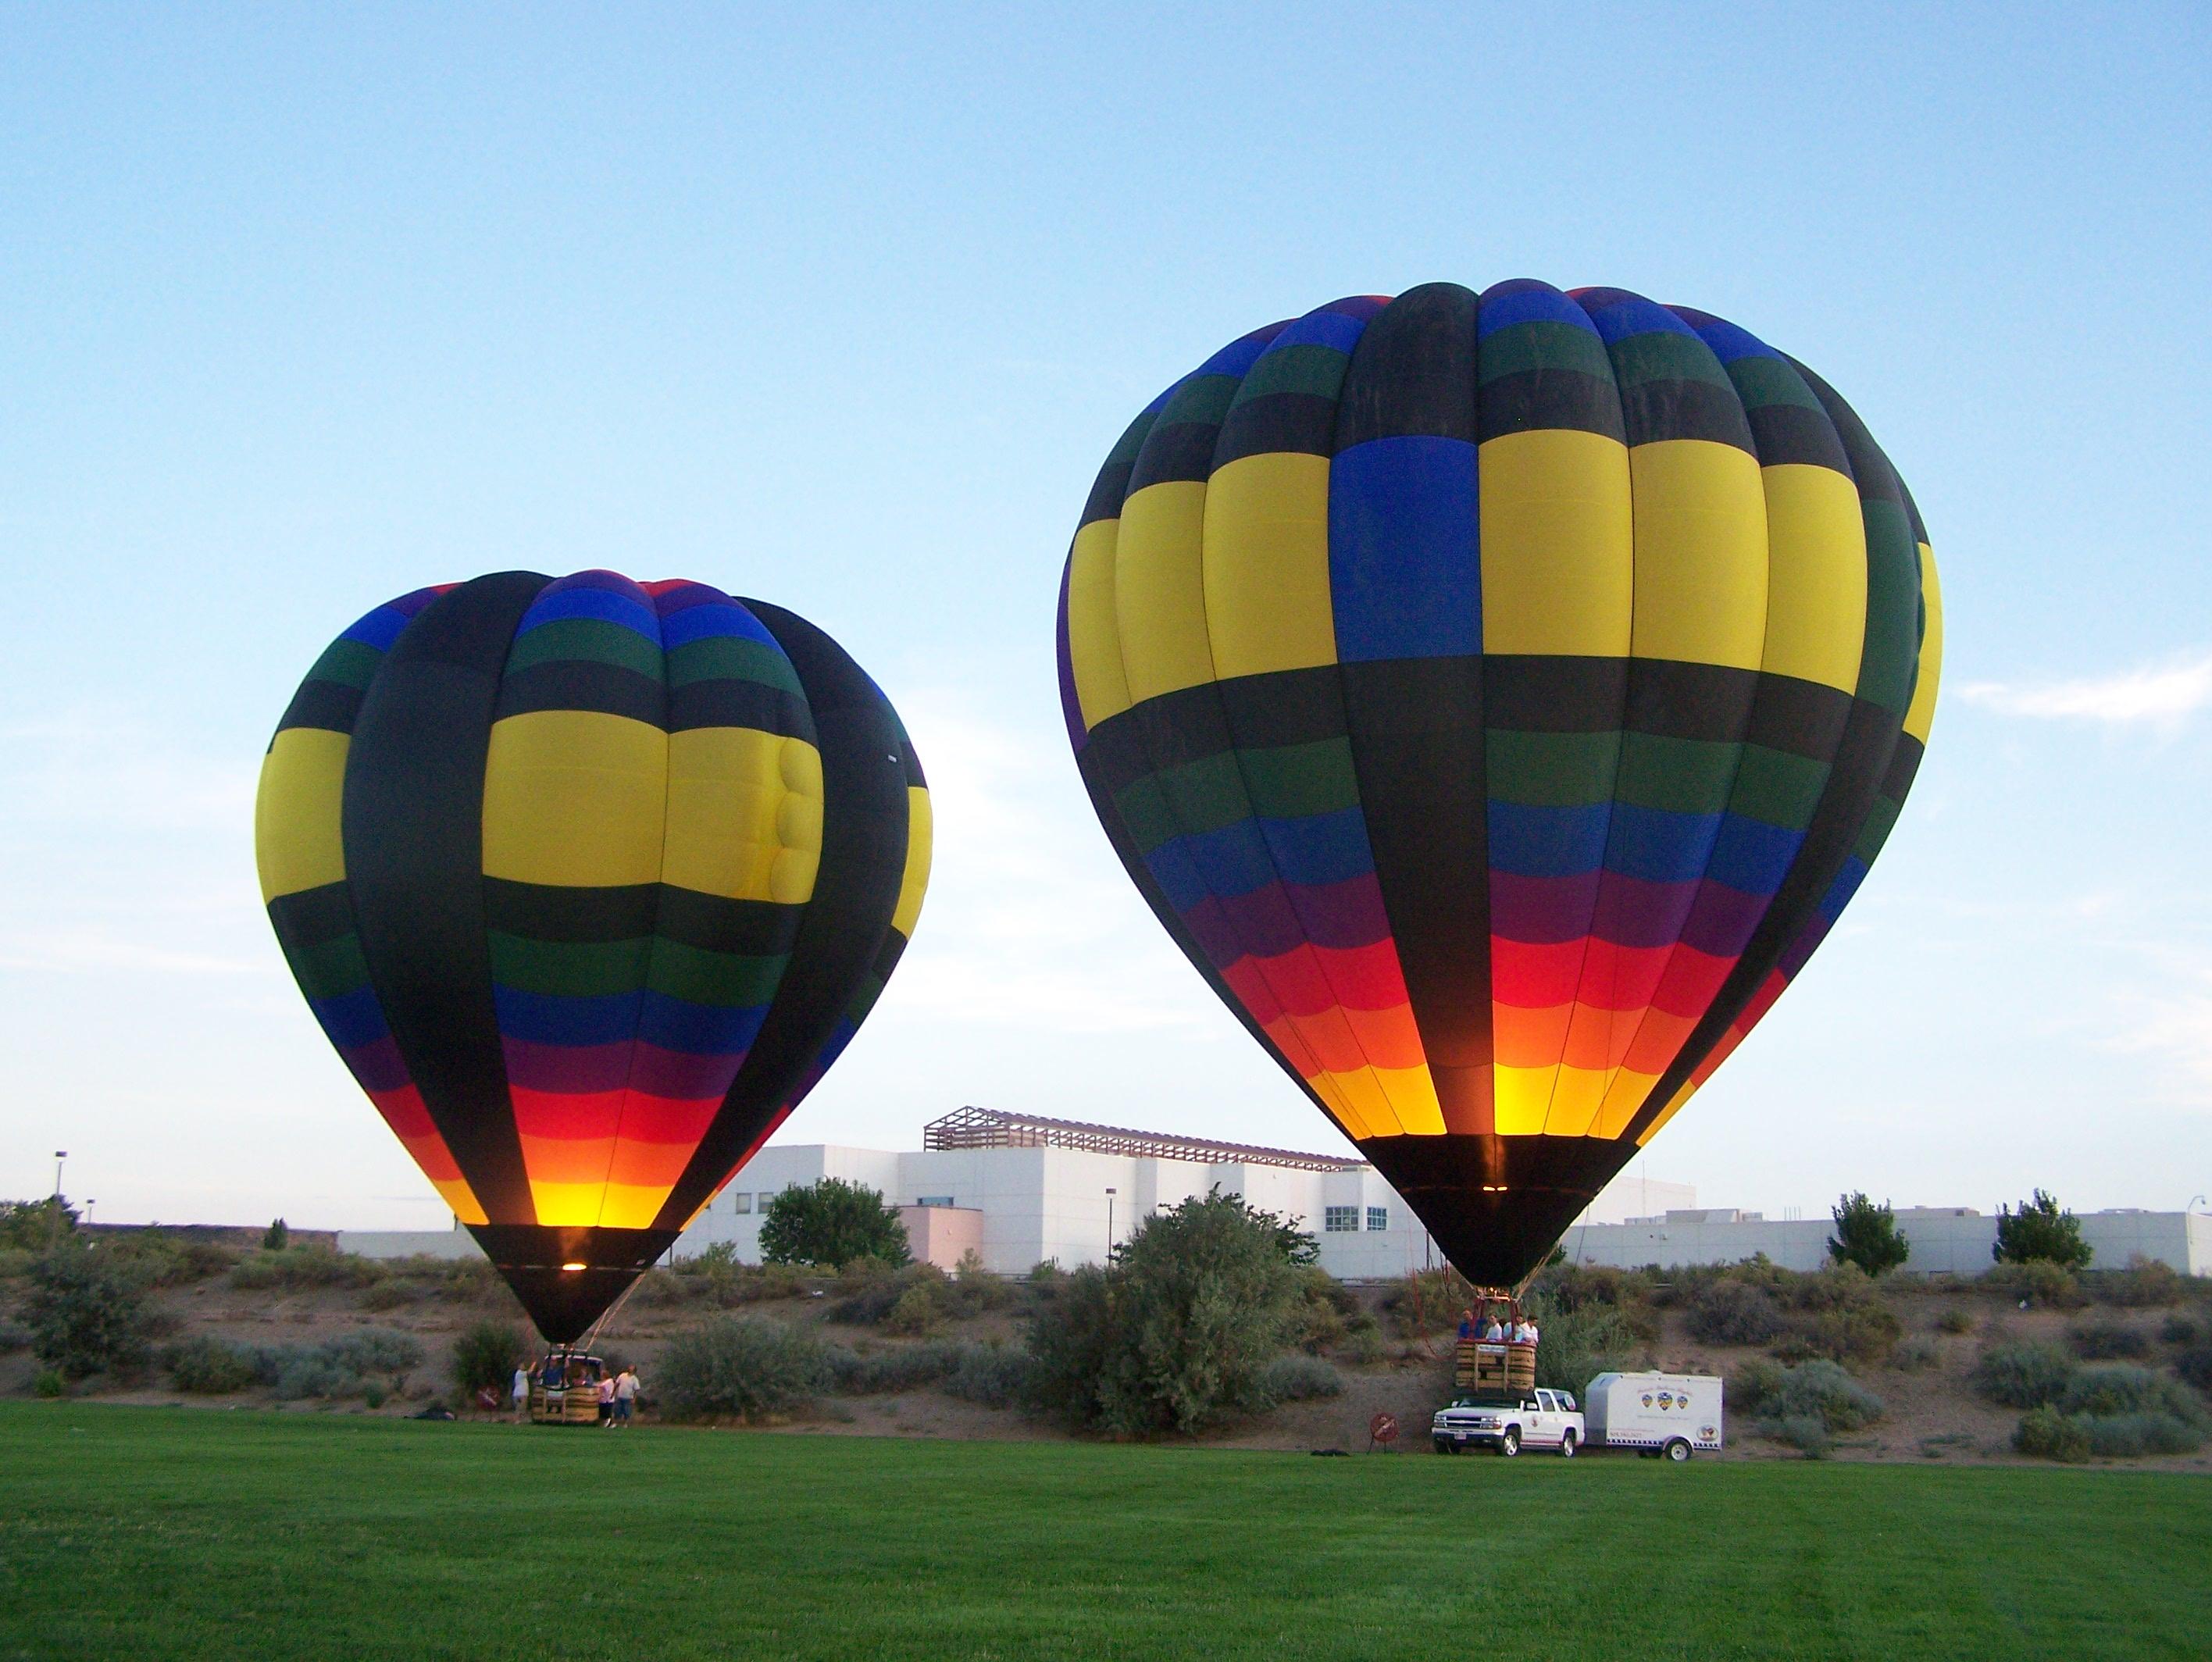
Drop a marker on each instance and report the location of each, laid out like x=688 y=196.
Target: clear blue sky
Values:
x=302 y=308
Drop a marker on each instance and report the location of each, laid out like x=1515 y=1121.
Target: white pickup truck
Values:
x=1510 y=1421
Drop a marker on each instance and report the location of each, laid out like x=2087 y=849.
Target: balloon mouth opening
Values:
x=571 y=1268
x=1493 y=1188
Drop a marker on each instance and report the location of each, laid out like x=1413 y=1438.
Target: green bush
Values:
x=1751 y=1388
x=2124 y=1436
x=1913 y=1355
x=1734 y=1313
x=919 y=1311
x=2195 y=1365
x=716 y=1278
x=207 y=1367
x=1864 y=1334
x=871 y=1294
x=36 y=1226
x=85 y=1314
x=2180 y=1330
x=277 y=1237
x=2109 y=1341
x=1300 y=1377
x=1820 y=1389
x=1428 y=1302
x=2040 y=1232
x=1806 y=1433
x=832 y=1223
x=2023 y=1374
x=486 y=1353
x=1175 y=1334
x=2146 y=1283
x=1954 y=1320
x=990 y=1376
x=162 y=1259
x=48 y=1382
x=294 y=1269
x=2118 y=1388
x=745 y=1367
x=2048 y=1434
x=1580 y=1344
x=1866 y=1235
x=2037 y=1283
x=905 y=1368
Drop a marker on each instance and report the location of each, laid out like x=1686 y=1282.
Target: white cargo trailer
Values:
x=1671 y=1414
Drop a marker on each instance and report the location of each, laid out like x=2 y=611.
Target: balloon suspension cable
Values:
x=592 y=1338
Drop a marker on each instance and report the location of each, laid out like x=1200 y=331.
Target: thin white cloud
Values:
x=2156 y=696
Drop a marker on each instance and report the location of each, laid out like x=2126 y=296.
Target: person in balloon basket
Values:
x=625 y=1395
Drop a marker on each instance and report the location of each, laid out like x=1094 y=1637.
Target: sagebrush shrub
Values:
x=207 y=1367
x=740 y=1366
x=1300 y=1377
x=2123 y=1436
x=2109 y=1341
x=1954 y=1320
x=85 y=1313
x=2118 y=1388
x=2180 y=1329
x=2048 y=1434
x=2195 y=1365
x=1823 y=1389
x=990 y=1376
x=1734 y=1313
x=2023 y=1374
x=295 y=1268
x=1806 y=1433
x=1913 y=1355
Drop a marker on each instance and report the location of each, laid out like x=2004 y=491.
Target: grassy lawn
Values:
x=148 y=1532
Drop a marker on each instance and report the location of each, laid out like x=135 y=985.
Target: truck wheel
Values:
x=1509 y=1444
x=1445 y=1446
x=1678 y=1451
x=1567 y=1447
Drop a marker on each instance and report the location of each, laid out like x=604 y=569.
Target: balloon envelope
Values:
x=1498 y=697
x=588 y=881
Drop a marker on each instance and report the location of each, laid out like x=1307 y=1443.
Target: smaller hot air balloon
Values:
x=588 y=881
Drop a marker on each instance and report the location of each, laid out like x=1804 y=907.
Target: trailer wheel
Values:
x=1678 y=1451
x=1567 y=1447
x=1509 y=1444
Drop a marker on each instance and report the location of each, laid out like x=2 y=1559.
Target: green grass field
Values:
x=147 y=1533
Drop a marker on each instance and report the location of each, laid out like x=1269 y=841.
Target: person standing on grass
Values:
x=520 y=1392
x=606 y=1402
x=625 y=1394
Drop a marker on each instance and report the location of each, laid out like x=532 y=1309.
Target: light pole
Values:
x=1109 y=1223
x=60 y=1154
x=89 y=1203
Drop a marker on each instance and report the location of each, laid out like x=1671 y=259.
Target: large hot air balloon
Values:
x=1498 y=697
x=588 y=881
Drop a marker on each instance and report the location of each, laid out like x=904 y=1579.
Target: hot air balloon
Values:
x=588 y=881
x=1498 y=697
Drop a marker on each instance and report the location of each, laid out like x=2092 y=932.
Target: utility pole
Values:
x=1109 y=1224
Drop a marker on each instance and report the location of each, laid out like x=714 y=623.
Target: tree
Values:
x=1866 y=1235
x=86 y=1315
x=2039 y=1232
x=832 y=1223
x=277 y=1237
x=486 y=1353
x=1177 y=1332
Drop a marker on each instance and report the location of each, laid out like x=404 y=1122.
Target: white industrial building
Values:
x=1956 y=1241
x=1022 y=1188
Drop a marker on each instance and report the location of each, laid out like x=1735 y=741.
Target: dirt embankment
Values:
x=1931 y=1413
